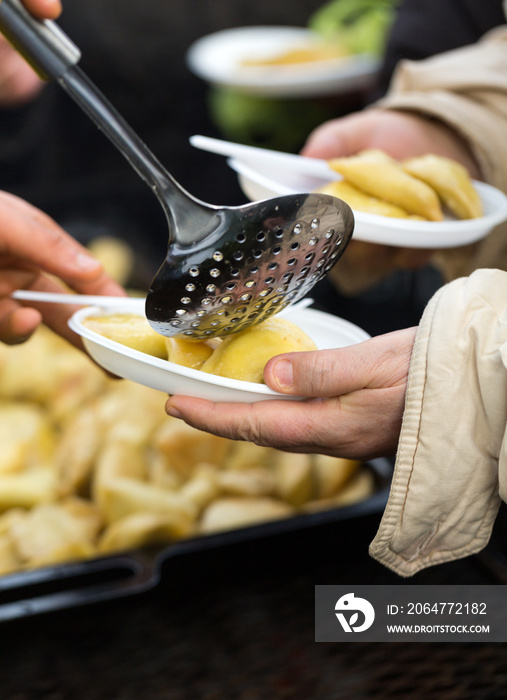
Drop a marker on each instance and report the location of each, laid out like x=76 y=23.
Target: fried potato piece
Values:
x=376 y=155
x=47 y=370
x=114 y=430
x=56 y=532
x=360 y=201
x=294 y=477
x=451 y=182
x=77 y=451
x=81 y=381
x=247 y=455
x=332 y=473
x=185 y=447
x=258 y=481
x=118 y=460
x=360 y=487
x=234 y=512
x=63 y=554
x=140 y=529
x=10 y=517
x=116 y=256
x=26 y=436
x=244 y=355
x=162 y=473
x=122 y=496
x=188 y=353
x=9 y=561
x=131 y=330
x=28 y=488
x=131 y=412
x=28 y=371
x=385 y=178
x=203 y=487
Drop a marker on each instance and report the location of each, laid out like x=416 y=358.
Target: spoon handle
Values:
x=47 y=49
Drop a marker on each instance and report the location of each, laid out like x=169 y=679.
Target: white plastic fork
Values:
x=315 y=167
x=133 y=303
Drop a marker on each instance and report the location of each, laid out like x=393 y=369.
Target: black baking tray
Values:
x=106 y=578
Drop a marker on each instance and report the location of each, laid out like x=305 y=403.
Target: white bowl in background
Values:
x=217 y=58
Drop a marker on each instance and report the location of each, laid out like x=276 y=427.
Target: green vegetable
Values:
x=282 y=124
x=359 y=25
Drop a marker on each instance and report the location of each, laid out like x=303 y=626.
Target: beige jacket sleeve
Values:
x=466 y=89
x=451 y=467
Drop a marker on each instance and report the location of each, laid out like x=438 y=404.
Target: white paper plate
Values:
x=217 y=58
x=327 y=331
x=270 y=180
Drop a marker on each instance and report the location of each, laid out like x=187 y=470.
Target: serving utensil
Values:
x=226 y=268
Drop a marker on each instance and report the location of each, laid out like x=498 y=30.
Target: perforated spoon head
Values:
x=260 y=258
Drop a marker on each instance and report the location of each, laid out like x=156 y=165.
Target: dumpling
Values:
x=360 y=201
x=244 y=355
x=451 y=182
x=128 y=329
x=188 y=353
x=384 y=178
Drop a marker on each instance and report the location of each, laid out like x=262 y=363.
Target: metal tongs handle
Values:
x=42 y=43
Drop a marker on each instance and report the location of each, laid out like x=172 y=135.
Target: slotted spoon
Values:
x=226 y=268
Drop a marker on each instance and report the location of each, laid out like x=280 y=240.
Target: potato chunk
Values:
x=131 y=330
x=244 y=355
x=26 y=436
x=451 y=182
x=360 y=201
x=233 y=512
x=383 y=177
x=188 y=353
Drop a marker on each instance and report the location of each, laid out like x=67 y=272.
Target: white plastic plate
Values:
x=327 y=331
x=217 y=58
x=261 y=181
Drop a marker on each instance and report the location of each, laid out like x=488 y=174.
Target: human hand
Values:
x=355 y=410
x=19 y=83
x=401 y=135
x=34 y=253
x=44 y=9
